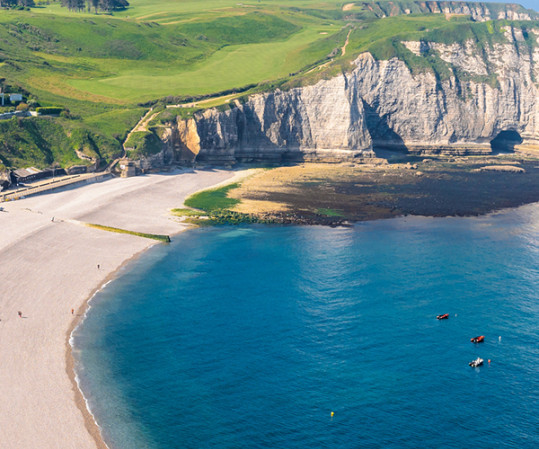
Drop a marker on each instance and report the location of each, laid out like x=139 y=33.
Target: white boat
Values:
x=477 y=362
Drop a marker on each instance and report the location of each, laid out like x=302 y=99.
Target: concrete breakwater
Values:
x=48 y=187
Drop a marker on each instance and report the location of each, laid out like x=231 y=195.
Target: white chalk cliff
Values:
x=379 y=104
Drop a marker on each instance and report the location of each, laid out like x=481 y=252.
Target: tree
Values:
x=113 y=5
x=14 y=3
x=93 y=4
x=73 y=5
x=96 y=5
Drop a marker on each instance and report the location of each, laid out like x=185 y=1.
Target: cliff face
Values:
x=479 y=11
x=380 y=104
x=5 y=179
x=325 y=121
x=457 y=114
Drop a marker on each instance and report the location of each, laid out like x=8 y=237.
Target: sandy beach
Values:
x=51 y=264
x=49 y=267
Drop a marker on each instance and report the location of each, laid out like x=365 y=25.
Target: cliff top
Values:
x=104 y=70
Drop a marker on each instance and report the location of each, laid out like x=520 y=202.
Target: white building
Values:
x=15 y=98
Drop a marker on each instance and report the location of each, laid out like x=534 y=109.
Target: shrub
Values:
x=52 y=110
x=33 y=103
x=143 y=143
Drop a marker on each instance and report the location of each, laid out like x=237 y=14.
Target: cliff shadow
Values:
x=505 y=142
x=384 y=138
x=253 y=143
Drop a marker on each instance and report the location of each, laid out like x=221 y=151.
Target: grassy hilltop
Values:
x=104 y=69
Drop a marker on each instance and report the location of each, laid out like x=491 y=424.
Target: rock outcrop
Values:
x=502 y=168
x=324 y=121
x=5 y=179
x=478 y=11
x=379 y=104
x=459 y=114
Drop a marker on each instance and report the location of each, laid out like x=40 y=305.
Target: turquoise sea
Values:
x=250 y=337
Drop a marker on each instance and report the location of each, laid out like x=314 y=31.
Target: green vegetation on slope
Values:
x=100 y=68
x=40 y=142
x=142 y=144
x=118 y=61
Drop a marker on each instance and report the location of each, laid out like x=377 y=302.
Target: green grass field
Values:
x=102 y=67
x=213 y=199
x=119 y=60
x=232 y=66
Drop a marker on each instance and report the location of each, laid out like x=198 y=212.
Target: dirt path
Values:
x=194 y=104
x=142 y=125
x=346 y=43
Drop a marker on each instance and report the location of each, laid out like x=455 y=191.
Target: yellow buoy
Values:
x=332 y=413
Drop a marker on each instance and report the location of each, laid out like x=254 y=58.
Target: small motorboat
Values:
x=479 y=339
x=445 y=316
x=477 y=362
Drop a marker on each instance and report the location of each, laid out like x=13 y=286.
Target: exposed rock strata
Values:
x=478 y=11
x=502 y=168
x=5 y=179
x=379 y=104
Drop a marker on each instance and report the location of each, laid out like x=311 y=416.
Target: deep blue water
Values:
x=251 y=337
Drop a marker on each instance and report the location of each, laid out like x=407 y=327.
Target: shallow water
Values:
x=251 y=337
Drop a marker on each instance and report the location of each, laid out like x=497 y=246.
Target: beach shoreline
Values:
x=90 y=421
x=53 y=267
x=81 y=401
x=47 y=248
x=93 y=427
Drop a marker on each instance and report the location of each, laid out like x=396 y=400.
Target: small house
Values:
x=29 y=174
x=127 y=168
x=76 y=170
x=15 y=98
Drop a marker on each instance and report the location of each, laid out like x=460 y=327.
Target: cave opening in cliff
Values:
x=505 y=142
x=384 y=138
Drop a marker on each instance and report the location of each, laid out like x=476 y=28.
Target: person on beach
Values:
x=72 y=311
x=98 y=266
x=20 y=314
